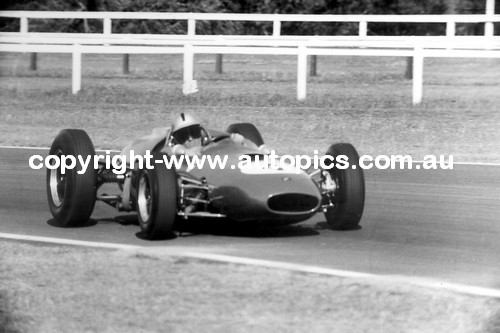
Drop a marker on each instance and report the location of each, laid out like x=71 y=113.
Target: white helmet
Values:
x=186 y=127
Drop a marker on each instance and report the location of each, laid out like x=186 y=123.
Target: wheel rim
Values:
x=144 y=197
x=57 y=183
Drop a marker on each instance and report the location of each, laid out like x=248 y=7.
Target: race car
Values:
x=164 y=197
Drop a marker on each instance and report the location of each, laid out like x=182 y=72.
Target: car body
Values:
x=164 y=197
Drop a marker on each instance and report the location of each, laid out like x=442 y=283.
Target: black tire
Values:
x=349 y=197
x=156 y=200
x=72 y=196
x=248 y=130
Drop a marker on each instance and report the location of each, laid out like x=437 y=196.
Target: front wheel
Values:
x=71 y=193
x=156 y=201
x=344 y=189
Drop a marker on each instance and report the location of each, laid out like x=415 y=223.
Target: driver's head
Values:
x=187 y=130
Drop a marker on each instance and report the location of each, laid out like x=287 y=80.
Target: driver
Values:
x=188 y=136
x=187 y=133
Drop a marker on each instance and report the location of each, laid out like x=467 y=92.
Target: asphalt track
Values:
x=438 y=224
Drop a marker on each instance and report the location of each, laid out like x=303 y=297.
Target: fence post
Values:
x=24 y=29
x=189 y=85
x=313 y=67
x=126 y=63
x=363 y=28
x=106 y=26
x=24 y=25
x=276 y=28
x=409 y=68
x=489 y=28
x=418 y=74
x=77 y=69
x=450 y=29
x=301 y=72
x=191 y=27
x=218 y=63
x=33 y=58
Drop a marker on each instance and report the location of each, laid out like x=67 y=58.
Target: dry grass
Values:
x=67 y=289
x=365 y=101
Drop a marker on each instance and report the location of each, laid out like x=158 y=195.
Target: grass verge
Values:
x=61 y=289
x=359 y=100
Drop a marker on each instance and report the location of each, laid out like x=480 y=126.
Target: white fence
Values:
x=277 y=19
x=417 y=47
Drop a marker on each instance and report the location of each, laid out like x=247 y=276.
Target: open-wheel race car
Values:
x=164 y=197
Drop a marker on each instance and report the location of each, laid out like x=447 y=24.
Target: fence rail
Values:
x=277 y=19
x=469 y=42
x=417 y=47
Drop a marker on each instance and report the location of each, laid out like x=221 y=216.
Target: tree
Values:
x=52 y=25
x=248 y=6
x=173 y=27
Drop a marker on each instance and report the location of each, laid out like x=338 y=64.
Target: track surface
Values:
x=440 y=224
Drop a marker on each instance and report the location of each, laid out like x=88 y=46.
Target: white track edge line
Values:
x=462 y=163
x=421 y=282
x=48 y=148
x=117 y=151
x=25 y=147
x=64 y=241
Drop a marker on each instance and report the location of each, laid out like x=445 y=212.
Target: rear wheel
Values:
x=156 y=201
x=345 y=189
x=71 y=196
x=247 y=130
